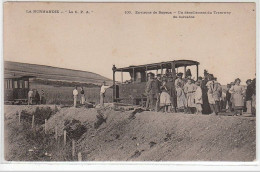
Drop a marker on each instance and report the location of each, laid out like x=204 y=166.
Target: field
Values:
x=63 y=95
x=125 y=136
x=58 y=83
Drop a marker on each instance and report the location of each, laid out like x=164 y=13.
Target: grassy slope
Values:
x=60 y=92
x=150 y=136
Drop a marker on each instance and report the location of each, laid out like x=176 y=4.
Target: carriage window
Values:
x=6 y=84
x=20 y=84
x=15 y=84
x=10 y=84
x=26 y=84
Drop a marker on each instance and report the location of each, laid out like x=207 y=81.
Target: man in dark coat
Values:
x=157 y=86
x=249 y=94
x=228 y=98
x=37 y=97
x=205 y=106
x=150 y=91
x=170 y=86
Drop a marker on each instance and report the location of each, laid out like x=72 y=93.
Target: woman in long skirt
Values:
x=82 y=100
x=238 y=92
x=198 y=98
x=190 y=89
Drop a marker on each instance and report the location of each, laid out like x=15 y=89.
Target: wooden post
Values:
x=161 y=69
x=133 y=75
x=146 y=77
x=184 y=74
x=65 y=136
x=79 y=156
x=114 y=82
x=197 y=72
x=45 y=126
x=122 y=77
x=19 y=117
x=73 y=148
x=56 y=133
x=174 y=89
x=33 y=121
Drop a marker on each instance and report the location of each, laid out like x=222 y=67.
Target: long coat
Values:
x=205 y=106
x=190 y=89
x=198 y=95
x=181 y=98
x=214 y=92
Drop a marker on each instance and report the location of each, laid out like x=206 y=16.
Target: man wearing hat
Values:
x=103 y=89
x=214 y=94
x=188 y=74
x=158 y=84
x=205 y=106
x=150 y=91
x=249 y=94
x=75 y=95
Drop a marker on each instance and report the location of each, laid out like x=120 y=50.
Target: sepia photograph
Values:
x=129 y=81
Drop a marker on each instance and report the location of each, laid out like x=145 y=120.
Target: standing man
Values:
x=205 y=105
x=43 y=97
x=30 y=97
x=82 y=100
x=249 y=94
x=150 y=92
x=37 y=97
x=75 y=95
x=158 y=84
x=214 y=94
x=103 y=89
x=228 y=98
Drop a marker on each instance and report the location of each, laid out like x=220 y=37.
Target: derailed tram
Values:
x=133 y=91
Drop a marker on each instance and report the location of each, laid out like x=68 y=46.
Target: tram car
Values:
x=133 y=91
x=16 y=89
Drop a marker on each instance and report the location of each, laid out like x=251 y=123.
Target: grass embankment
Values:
x=147 y=136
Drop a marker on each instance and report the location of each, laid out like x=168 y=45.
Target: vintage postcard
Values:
x=128 y=81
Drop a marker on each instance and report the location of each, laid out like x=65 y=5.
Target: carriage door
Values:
x=20 y=89
x=15 y=89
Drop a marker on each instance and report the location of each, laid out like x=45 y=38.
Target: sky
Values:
x=224 y=44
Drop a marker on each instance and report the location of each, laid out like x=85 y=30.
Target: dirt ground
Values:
x=146 y=136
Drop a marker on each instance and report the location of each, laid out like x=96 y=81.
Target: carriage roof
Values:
x=155 y=66
x=9 y=76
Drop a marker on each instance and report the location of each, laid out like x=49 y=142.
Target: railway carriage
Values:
x=16 y=89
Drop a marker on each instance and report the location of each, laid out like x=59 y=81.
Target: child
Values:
x=189 y=89
x=181 y=98
x=165 y=98
x=198 y=98
x=228 y=98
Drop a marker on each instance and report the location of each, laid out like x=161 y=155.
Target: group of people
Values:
x=75 y=96
x=241 y=99
x=183 y=95
x=38 y=98
x=75 y=93
x=205 y=95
